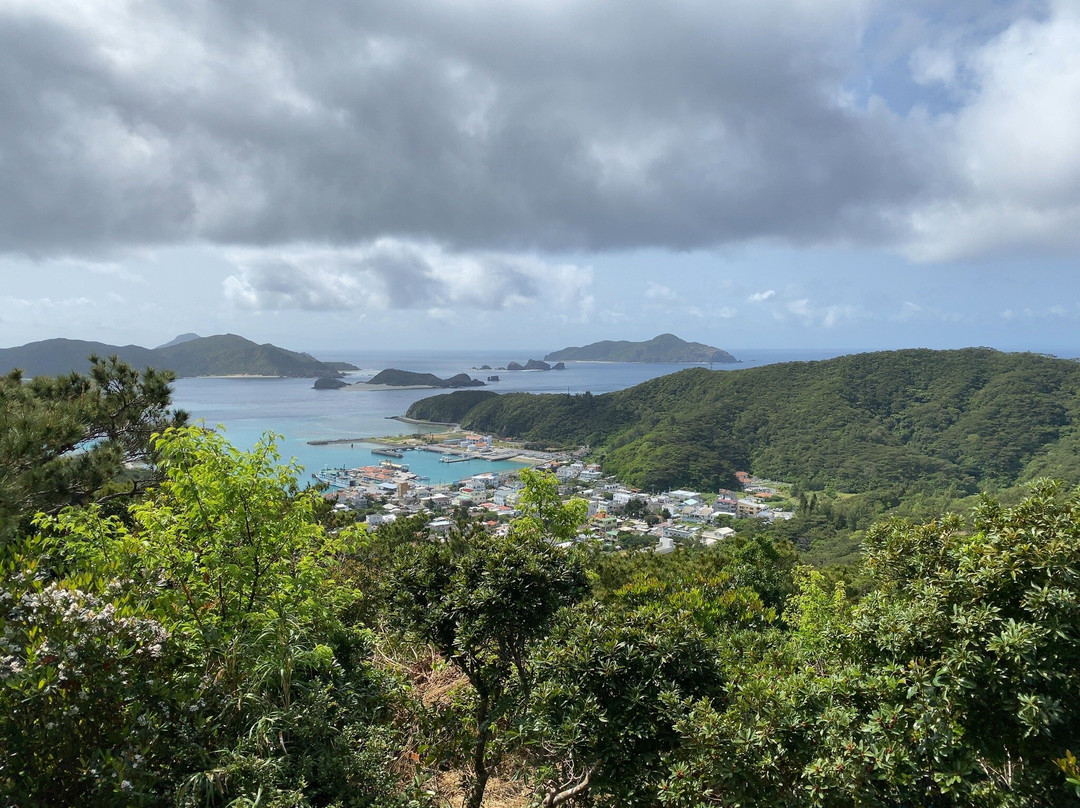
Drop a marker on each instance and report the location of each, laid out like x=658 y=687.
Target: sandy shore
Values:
x=238 y=376
x=406 y=420
x=362 y=386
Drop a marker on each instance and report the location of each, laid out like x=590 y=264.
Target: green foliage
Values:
x=904 y=422
x=610 y=686
x=636 y=508
x=252 y=686
x=449 y=408
x=953 y=683
x=84 y=696
x=65 y=440
x=484 y=601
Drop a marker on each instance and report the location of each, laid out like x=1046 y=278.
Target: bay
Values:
x=247 y=408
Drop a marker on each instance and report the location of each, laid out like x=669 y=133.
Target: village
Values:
x=619 y=517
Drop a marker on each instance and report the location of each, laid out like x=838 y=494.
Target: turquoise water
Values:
x=425 y=464
x=247 y=408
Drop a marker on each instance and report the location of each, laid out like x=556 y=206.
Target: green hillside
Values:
x=449 y=408
x=664 y=348
x=918 y=419
x=55 y=357
x=221 y=355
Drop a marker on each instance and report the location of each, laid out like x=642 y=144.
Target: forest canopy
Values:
x=925 y=420
x=217 y=637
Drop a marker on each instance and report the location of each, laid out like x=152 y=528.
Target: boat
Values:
x=334 y=477
x=388 y=464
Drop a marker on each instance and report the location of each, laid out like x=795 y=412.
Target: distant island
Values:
x=534 y=364
x=407 y=379
x=664 y=348
x=187 y=355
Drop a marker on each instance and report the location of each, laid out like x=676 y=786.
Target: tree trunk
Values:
x=479 y=762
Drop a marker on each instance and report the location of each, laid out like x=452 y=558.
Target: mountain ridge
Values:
x=891 y=420
x=218 y=355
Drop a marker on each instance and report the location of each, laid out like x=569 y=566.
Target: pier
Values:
x=389 y=453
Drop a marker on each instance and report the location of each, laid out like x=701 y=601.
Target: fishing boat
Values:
x=334 y=477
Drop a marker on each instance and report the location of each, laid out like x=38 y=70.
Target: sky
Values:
x=445 y=174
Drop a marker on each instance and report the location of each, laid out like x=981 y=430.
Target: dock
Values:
x=389 y=453
x=456 y=458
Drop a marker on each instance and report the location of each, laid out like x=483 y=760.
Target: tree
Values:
x=196 y=651
x=952 y=684
x=636 y=508
x=610 y=685
x=484 y=601
x=69 y=440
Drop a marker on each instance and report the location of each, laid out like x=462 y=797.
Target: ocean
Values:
x=293 y=410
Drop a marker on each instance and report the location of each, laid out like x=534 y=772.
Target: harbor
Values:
x=374 y=462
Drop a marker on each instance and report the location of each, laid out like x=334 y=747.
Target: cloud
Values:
x=1013 y=154
x=760 y=297
x=476 y=125
x=521 y=128
x=391 y=274
x=659 y=293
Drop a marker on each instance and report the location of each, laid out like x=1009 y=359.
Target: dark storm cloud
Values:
x=480 y=125
x=554 y=126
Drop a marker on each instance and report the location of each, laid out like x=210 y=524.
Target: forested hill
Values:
x=221 y=355
x=960 y=419
x=664 y=348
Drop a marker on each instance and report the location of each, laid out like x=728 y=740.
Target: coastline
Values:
x=357 y=387
x=237 y=376
x=420 y=422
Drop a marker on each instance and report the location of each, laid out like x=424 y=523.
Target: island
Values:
x=187 y=355
x=394 y=379
x=664 y=348
x=534 y=364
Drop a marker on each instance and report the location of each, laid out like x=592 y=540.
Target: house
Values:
x=440 y=527
x=725 y=504
x=505 y=496
x=570 y=471
x=482 y=481
x=749 y=508
x=679 y=532
x=439 y=502
x=711 y=537
x=681 y=495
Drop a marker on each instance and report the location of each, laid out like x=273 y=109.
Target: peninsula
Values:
x=664 y=348
x=187 y=355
